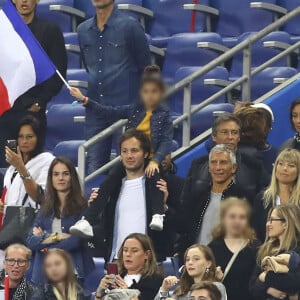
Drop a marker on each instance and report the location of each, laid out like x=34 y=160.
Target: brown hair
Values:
x=152 y=74
x=186 y=280
x=71 y=284
x=219 y=230
x=293 y=105
x=75 y=201
x=150 y=267
x=213 y=291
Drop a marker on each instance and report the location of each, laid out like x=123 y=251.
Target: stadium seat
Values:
x=170 y=18
x=237 y=17
x=68 y=149
x=203 y=119
x=182 y=51
x=200 y=91
x=2 y=2
x=169 y=267
x=61 y=125
x=73 y=50
x=92 y=281
x=75 y=77
x=263 y=50
x=268 y=79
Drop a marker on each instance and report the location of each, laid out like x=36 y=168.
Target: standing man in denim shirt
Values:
x=115 y=52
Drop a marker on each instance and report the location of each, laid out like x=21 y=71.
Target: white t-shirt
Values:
x=210 y=219
x=131 y=213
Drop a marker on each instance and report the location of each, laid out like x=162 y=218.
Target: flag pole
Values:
x=63 y=79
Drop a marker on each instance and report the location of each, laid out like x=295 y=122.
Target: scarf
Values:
x=21 y=292
x=297 y=137
x=15 y=190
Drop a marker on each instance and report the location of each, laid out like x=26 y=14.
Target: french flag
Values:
x=23 y=62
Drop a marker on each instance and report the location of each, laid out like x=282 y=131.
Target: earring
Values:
x=207 y=270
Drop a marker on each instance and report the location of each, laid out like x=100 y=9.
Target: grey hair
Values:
x=122 y=294
x=226 y=117
x=221 y=149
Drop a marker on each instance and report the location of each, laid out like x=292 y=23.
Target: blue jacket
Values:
x=82 y=260
x=161 y=123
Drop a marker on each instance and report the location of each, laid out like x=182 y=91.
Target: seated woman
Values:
x=283 y=189
x=231 y=235
x=29 y=167
x=294 y=142
x=283 y=235
x=137 y=268
x=61 y=279
x=199 y=265
x=63 y=207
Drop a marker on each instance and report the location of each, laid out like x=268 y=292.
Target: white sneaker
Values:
x=157 y=222
x=82 y=228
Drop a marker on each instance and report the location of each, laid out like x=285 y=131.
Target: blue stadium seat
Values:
x=76 y=77
x=182 y=51
x=237 y=17
x=68 y=149
x=2 y=2
x=92 y=281
x=61 y=125
x=202 y=120
x=263 y=82
x=169 y=268
x=170 y=18
x=200 y=91
x=292 y=27
x=73 y=50
x=261 y=54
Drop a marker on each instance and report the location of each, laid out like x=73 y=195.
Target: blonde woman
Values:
x=61 y=278
x=283 y=235
x=234 y=234
x=199 y=266
x=284 y=189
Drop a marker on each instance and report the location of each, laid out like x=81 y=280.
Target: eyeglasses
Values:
x=20 y=262
x=229 y=132
x=271 y=220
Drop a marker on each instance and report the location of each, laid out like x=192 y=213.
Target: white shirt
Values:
x=277 y=200
x=129 y=279
x=210 y=219
x=131 y=213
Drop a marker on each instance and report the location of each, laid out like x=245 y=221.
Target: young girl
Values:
x=151 y=117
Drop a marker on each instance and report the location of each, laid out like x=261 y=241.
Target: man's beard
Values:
x=102 y=6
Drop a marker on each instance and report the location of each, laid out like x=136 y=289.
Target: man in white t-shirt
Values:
x=125 y=201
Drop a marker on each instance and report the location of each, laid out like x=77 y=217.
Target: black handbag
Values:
x=17 y=224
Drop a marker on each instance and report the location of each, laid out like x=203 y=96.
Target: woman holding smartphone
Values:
x=137 y=269
x=26 y=177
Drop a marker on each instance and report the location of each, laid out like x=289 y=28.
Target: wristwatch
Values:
x=26 y=177
x=54 y=237
x=163 y=294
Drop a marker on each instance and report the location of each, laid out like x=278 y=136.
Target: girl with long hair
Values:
x=283 y=237
x=137 y=268
x=233 y=235
x=62 y=283
x=284 y=189
x=63 y=207
x=199 y=265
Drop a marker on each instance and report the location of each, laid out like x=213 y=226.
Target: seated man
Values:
x=201 y=200
x=16 y=264
x=250 y=172
x=205 y=291
x=125 y=204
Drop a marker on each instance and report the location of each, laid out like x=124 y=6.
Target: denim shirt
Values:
x=161 y=123
x=114 y=58
x=83 y=262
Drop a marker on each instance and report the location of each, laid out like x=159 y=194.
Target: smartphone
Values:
x=12 y=144
x=112 y=269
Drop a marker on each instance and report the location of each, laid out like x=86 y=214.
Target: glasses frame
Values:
x=271 y=220
x=11 y=262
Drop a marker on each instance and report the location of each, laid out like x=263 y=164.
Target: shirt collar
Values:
x=110 y=22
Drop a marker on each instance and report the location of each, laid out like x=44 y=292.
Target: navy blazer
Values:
x=161 y=123
x=82 y=259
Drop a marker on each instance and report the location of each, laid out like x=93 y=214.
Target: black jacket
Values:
x=290 y=143
x=260 y=216
x=52 y=41
x=288 y=283
x=250 y=175
x=195 y=197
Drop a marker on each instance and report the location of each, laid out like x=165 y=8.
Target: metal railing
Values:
x=186 y=84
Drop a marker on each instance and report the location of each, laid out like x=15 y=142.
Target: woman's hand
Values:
x=94 y=196
x=168 y=283
x=75 y=92
x=107 y=282
x=15 y=159
x=120 y=283
x=276 y=293
x=152 y=168
x=163 y=187
x=219 y=273
x=262 y=276
x=37 y=231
